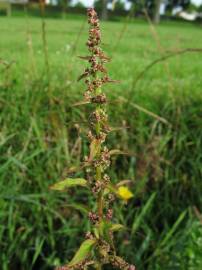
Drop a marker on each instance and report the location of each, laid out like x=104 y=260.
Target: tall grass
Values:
x=39 y=138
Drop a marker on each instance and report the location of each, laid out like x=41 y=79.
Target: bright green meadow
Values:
x=42 y=135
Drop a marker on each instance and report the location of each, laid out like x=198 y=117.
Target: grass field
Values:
x=42 y=135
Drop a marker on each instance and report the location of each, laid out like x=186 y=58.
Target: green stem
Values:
x=100 y=199
x=98 y=169
x=99 y=175
x=99 y=266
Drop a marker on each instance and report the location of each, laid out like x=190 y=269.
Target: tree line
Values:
x=137 y=7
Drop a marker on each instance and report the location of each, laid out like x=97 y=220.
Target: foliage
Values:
x=138 y=5
x=40 y=136
x=79 y=5
x=119 y=5
x=200 y=8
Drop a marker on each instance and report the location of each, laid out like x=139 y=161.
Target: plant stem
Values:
x=98 y=172
x=100 y=197
x=99 y=178
x=99 y=266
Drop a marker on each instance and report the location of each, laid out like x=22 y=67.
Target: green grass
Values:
x=39 y=140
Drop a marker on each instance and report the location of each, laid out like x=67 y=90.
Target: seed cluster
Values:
x=97 y=59
x=95 y=76
x=80 y=266
x=120 y=263
x=98 y=161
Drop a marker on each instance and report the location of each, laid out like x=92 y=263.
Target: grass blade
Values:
x=144 y=211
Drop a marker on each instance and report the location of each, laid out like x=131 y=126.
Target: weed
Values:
x=98 y=249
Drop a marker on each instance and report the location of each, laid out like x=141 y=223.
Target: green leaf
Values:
x=96 y=232
x=173 y=229
x=144 y=211
x=112 y=188
x=104 y=231
x=82 y=252
x=67 y=183
x=82 y=208
x=117 y=227
x=38 y=247
x=118 y=152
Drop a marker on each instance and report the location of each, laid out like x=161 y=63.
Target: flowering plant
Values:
x=98 y=249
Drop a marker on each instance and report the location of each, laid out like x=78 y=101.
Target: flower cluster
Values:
x=93 y=217
x=80 y=266
x=97 y=59
x=95 y=77
x=98 y=161
x=120 y=263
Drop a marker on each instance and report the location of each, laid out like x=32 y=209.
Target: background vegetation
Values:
x=41 y=138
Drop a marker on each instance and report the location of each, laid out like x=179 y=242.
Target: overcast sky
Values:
x=90 y=2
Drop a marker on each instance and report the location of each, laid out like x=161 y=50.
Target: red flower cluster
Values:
x=97 y=59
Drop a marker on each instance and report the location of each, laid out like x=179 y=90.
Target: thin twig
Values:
x=29 y=43
x=161 y=49
x=161 y=59
x=6 y=64
x=76 y=42
x=44 y=39
x=197 y=213
x=122 y=32
x=138 y=107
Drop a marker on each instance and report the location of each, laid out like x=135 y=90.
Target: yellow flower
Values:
x=125 y=193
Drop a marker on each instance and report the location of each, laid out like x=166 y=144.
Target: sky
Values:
x=90 y=2
x=197 y=2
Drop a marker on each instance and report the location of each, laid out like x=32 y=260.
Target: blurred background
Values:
x=156 y=51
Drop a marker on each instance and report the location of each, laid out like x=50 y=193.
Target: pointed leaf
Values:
x=67 y=183
x=73 y=169
x=84 y=75
x=82 y=208
x=96 y=232
x=112 y=188
x=117 y=227
x=118 y=128
x=126 y=182
x=113 y=81
x=83 y=252
x=83 y=102
x=118 y=152
x=145 y=210
x=104 y=231
x=85 y=57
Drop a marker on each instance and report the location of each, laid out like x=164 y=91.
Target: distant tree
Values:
x=102 y=6
x=104 y=14
x=156 y=11
x=79 y=5
x=63 y=4
x=192 y=8
x=137 y=6
x=153 y=7
x=119 y=5
x=200 y=8
x=176 y=3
